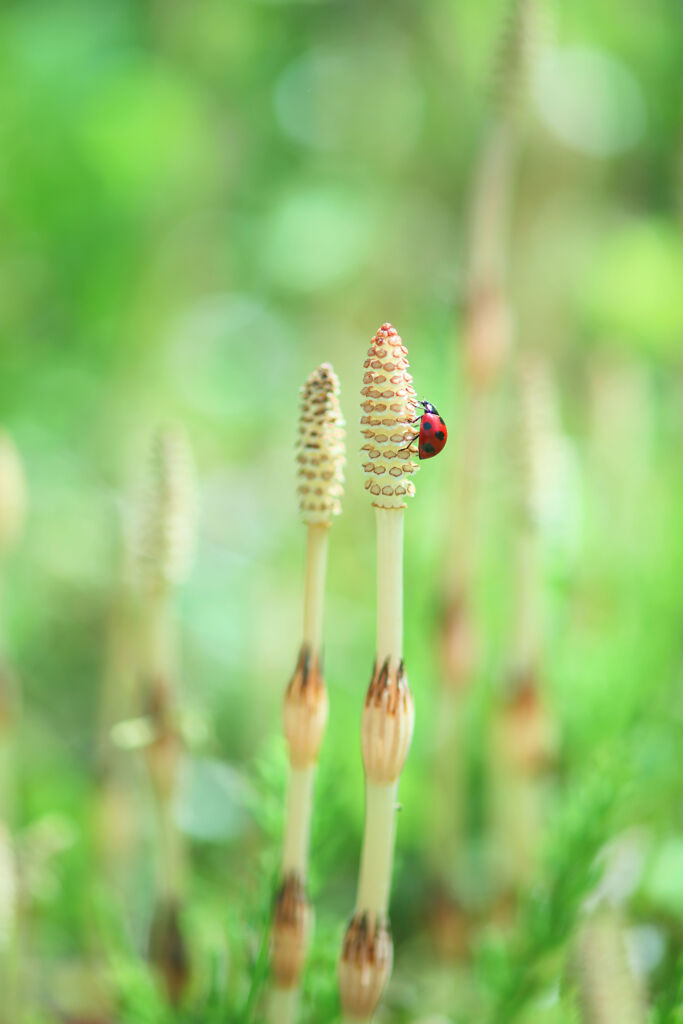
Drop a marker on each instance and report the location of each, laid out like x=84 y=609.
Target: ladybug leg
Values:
x=411 y=442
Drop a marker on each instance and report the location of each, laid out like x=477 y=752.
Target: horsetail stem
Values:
x=12 y=515
x=166 y=543
x=12 y=494
x=388 y=404
x=524 y=734
x=486 y=341
x=321 y=463
x=608 y=990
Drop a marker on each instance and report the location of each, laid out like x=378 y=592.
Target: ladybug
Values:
x=432 y=435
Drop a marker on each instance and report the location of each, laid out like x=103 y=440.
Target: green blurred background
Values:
x=199 y=204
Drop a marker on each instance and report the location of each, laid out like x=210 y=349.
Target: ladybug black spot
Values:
x=429 y=448
x=426 y=425
x=441 y=421
x=440 y=434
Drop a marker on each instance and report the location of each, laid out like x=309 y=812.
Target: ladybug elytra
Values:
x=432 y=435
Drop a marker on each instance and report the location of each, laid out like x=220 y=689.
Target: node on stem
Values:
x=365 y=965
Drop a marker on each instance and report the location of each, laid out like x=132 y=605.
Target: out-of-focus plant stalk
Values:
x=486 y=342
x=116 y=821
x=12 y=515
x=620 y=419
x=523 y=731
x=608 y=990
x=321 y=462
x=166 y=546
x=388 y=411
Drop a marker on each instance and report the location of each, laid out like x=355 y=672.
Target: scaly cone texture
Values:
x=388 y=409
x=165 y=548
x=488 y=325
x=320 y=456
x=523 y=32
x=321 y=448
x=168 y=522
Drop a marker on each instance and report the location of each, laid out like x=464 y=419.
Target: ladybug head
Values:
x=427 y=406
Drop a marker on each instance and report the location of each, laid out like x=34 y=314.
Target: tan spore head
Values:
x=168 y=512
x=388 y=407
x=321 y=450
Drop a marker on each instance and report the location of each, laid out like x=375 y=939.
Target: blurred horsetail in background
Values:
x=12 y=516
x=165 y=550
x=200 y=204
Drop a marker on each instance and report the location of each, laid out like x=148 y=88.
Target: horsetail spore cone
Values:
x=168 y=513
x=389 y=405
x=321 y=448
x=389 y=411
x=321 y=464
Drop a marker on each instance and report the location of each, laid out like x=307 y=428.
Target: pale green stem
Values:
x=490 y=206
x=170 y=852
x=314 y=585
x=157 y=670
x=378 y=848
x=283 y=1006
x=374 y=882
x=527 y=632
x=298 y=821
x=389 y=585
x=157 y=641
x=10 y=941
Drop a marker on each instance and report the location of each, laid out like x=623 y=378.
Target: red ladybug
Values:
x=432 y=435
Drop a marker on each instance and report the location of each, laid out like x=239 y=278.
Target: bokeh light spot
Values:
x=589 y=100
